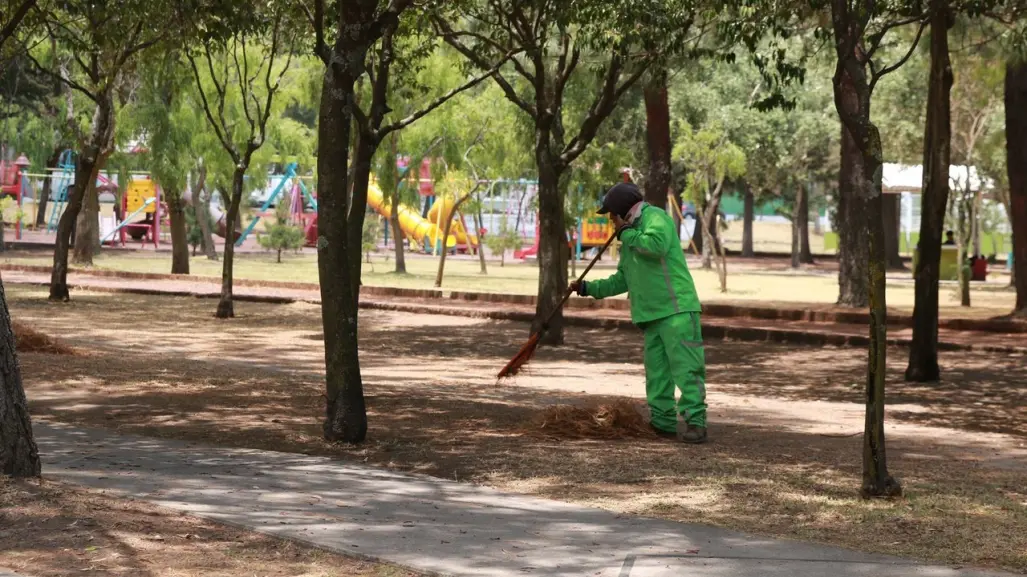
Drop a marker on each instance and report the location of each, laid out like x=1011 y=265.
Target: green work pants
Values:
x=674 y=358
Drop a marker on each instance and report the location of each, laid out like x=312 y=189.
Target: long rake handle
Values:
x=581 y=277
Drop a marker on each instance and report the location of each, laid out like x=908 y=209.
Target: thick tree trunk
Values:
x=44 y=197
x=19 y=456
x=853 y=273
x=553 y=248
x=748 y=215
x=87 y=225
x=657 y=122
x=1016 y=151
x=345 y=409
x=226 y=306
x=179 y=235
x=891 y=204
x=923 y=352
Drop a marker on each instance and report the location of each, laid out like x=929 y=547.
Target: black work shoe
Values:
x=693 y=434
x=662 y=433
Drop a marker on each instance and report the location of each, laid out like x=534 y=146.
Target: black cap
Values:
x=620 y=199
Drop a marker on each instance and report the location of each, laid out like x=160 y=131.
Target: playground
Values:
x=787 y=417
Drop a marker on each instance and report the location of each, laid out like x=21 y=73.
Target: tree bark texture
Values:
x=1016 y=151
x=44 y=197
x=796 y=260
x=226 y=306
x=553 y=248
x=923 y=352
x=852 y=96
x=748 y=216
x=657 y=122
x=853 y=273
x=90 y=157
x=19 y=456
x=445 y=235
x=892 y=208
x=345 y=409
x=805 y=253
x=87 y=225
x=481 y=240
x=201 y=201
x=179 y=235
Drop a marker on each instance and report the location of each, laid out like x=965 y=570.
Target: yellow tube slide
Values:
x=414 y=227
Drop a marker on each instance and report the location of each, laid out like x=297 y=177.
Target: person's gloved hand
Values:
x=578 y=286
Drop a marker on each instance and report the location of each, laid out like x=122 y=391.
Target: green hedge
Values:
x=988 y=244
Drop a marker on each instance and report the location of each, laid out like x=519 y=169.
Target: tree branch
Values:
x=400 y=124
x=19 y=14
x=889 y=69
x=63 y=79
x=229 y=147
x=601 y=108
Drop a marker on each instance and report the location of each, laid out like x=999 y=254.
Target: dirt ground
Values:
x=52 y=530
x=783 y=461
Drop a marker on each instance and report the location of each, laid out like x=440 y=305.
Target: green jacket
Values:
x=652 y=270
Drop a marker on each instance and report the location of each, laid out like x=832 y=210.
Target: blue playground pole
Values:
x=577 y=249
x=66 y=162
x=128 y=219
x=290 y=172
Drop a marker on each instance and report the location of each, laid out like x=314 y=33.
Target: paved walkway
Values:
x=428 y=524
x=743 y=329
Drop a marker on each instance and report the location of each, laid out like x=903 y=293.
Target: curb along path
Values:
x=714 y=327
x=427 y=524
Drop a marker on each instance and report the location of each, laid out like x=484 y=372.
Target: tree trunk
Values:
x=708 y=218
x=44 y=197
x=863 y=187
x=877 y=482
x=805 y=254
x=84 y=173
x=1016 y=151
x=923 y=352
x=445 y=236
x=892 y=207
x=226 y=306
x=975 y=223
x=657 y=122
x=748 y=215
x=481 y=240
x=87 y=225
x=962 y=223
x=397 y=232
x=853 y=271
x=796 y=260
x=697 y=233
x=201 y=202
x=552 y=252
x=19 y=456
x=345 y=409
x=179 y=235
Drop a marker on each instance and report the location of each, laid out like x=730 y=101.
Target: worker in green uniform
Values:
x=664 y=304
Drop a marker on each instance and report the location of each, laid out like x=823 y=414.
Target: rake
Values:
x=528 y=350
